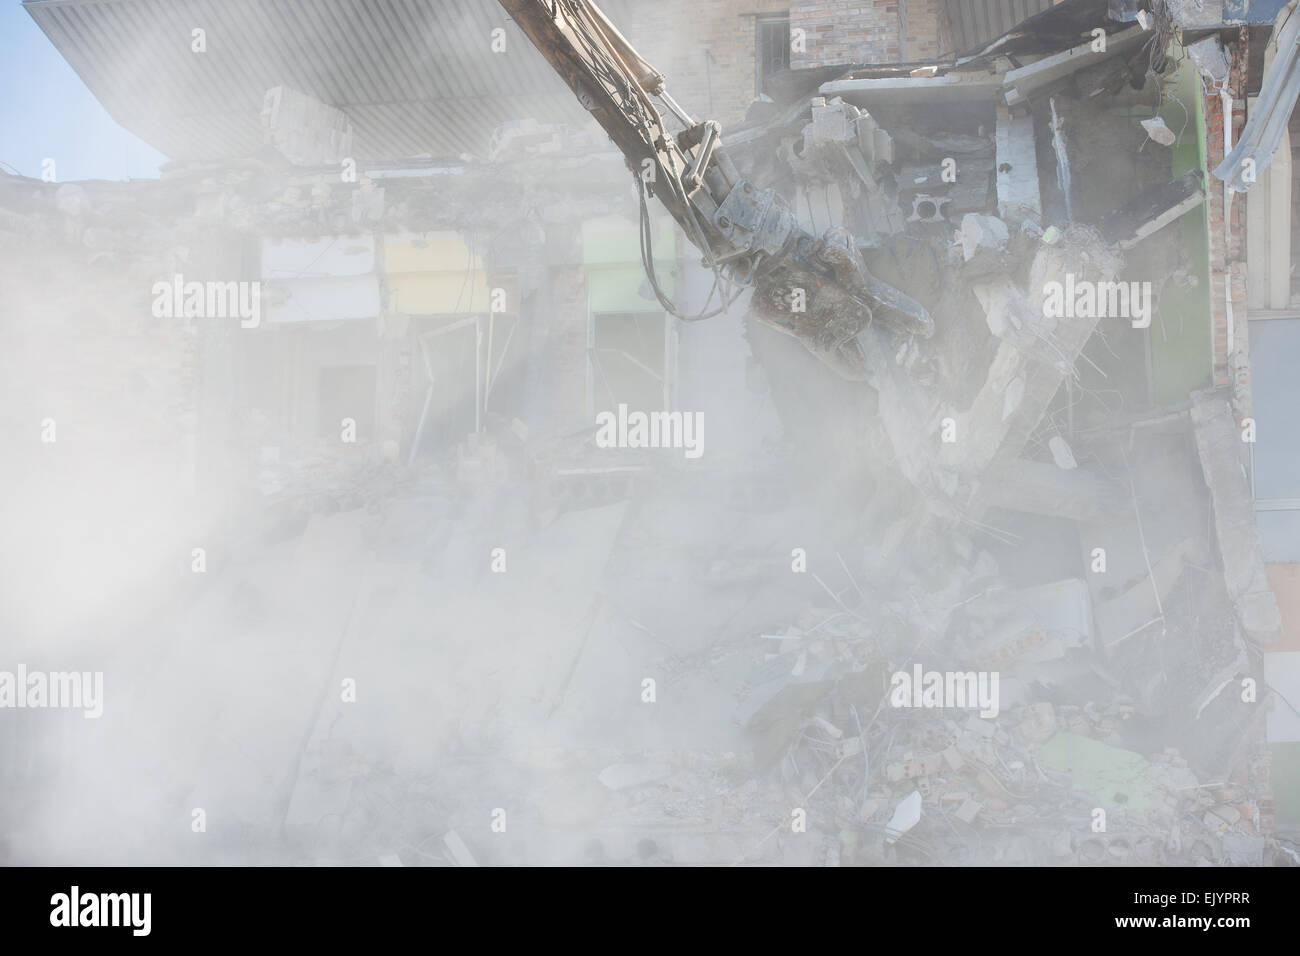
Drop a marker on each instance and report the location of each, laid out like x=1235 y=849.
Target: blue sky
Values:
x=46 y=111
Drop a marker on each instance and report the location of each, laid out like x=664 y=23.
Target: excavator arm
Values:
x=815 y=288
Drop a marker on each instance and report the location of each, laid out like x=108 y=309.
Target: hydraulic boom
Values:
x=815 y=288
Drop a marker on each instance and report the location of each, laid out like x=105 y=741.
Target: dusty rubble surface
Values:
x=770 y=596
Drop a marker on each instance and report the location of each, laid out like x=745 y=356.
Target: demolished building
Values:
x=1053 y=482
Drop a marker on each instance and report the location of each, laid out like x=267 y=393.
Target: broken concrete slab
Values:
x=1153 y=209
x=985 y=237
x=1036 y=487
x=1139 y=607
x=1017 y=167
x=1034 y=624
x=945 y=88
x=1219 y=443
x=1024 y=82
x=993 y=428
x=1006 y=310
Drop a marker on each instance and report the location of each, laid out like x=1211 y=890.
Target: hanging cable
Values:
x=1163 y=32
x=634 y=102
x=720 y=282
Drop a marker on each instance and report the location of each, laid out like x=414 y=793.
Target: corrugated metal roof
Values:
x=416 y=77
x=976 y=22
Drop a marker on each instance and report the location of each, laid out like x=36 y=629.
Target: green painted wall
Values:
x=611 y=253
x=1181 y=330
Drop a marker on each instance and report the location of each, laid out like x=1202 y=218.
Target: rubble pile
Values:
x=1100 y=714
x=1036 y=782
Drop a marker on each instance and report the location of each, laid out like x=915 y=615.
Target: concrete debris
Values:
x=1159 y=131
x=525 y=139
x=1140 y=606
x=844 y=150
x=1005 y=309
x=1019 y=198
x=906 y=815
x=1028 y=368
x=1038 y=724
x=968 y=811
x=984 y=236
x=1153 y=209
x=1062 y=454
x=1218 y=441
x=304 y=130
x=1210 y=58
x=1028 y=81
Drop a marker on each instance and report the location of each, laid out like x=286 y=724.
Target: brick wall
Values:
x=706 y=48
x=928 y=34
x=847 y=31
x=840 y=32
x=1227 y=247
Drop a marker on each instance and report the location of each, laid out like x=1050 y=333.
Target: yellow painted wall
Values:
x=435 y=274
